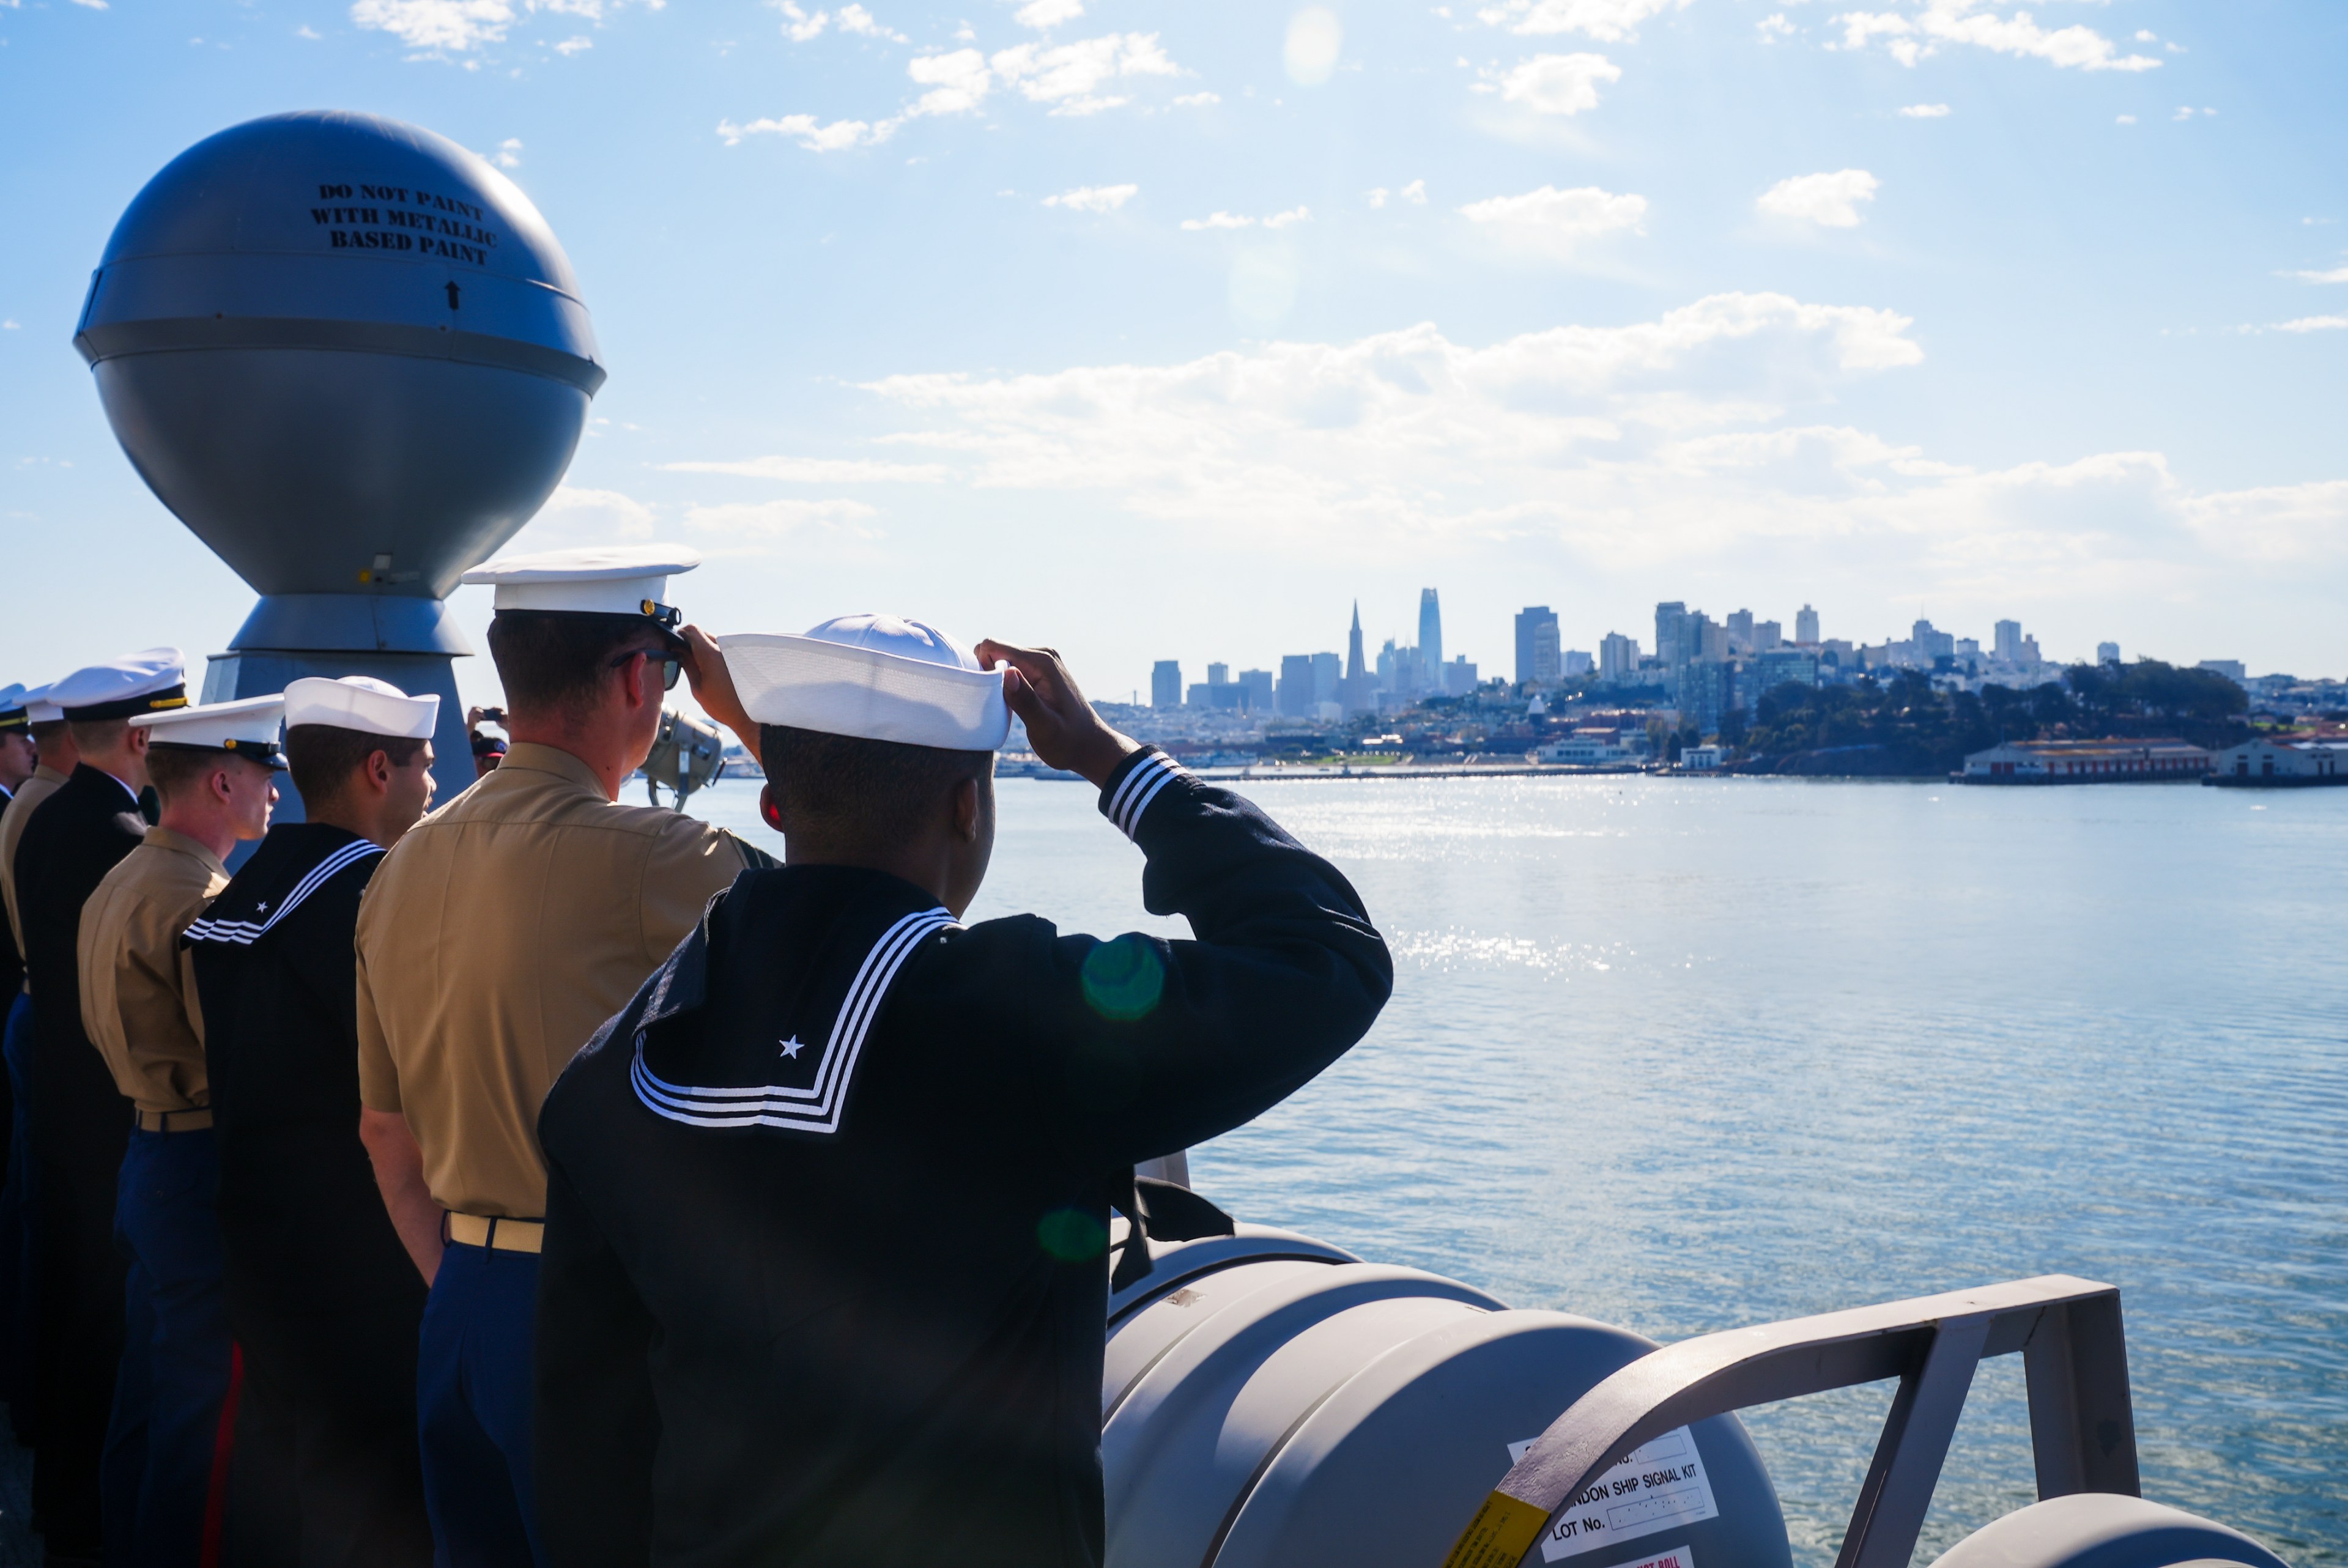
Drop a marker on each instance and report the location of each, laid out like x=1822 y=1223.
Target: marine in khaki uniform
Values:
x=214 y=771
x=81 y=1124
x=495 y=939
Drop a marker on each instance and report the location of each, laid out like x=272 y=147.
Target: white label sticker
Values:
x=1660 y=1485
x=1677 y=1557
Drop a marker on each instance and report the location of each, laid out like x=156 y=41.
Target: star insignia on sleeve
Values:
x=793 y=1047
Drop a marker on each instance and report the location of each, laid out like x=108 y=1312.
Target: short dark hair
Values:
x=172 y=769
x=96 y=733
x=554 y=660
x=322 y=756
x=848 y=787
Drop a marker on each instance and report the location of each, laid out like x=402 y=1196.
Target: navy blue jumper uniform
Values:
x=324 y=1301
x=824 y=1275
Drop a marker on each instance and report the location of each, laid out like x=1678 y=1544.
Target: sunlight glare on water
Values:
x=1689 y=1055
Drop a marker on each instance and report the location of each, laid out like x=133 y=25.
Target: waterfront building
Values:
x=2270 y=764
x=1536 y=629
x=2109 y=761
x=1165 y=684
x=1589 y=748
x=1779 y=667
x=1701 y=758
x=1430 y=630
x=1805 y=626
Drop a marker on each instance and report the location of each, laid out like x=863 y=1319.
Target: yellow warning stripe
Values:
x=1500 y=1535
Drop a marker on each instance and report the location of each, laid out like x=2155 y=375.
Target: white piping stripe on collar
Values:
x=243 y=932
x=816 y=1109
x=1150 y=775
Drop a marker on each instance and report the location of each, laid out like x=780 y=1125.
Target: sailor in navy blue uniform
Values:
x=324 y=1301
x=826 y=1261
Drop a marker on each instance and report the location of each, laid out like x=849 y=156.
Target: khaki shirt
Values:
x=496 y=939
x=138 y=983
x=39 y=787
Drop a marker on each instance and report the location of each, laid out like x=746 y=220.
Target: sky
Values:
x=1171 y=330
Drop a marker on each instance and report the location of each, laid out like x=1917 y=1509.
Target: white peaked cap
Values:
x=874 y=676
x=39 y=709
x=144 y=682
x=612 y=579
x=362 y=703
x=247 y=728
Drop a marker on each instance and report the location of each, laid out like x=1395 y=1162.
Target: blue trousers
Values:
x=156 y=1478
x=474 y=1395
x=16 y=1350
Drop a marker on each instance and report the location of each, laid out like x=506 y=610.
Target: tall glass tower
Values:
x=1430 y=637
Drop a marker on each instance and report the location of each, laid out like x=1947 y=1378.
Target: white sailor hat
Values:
x=247 y=728
x=39 y=709
x=149 y=681
x=362 y=703
x=612 y=579
x=875 y=676
x=12 y=706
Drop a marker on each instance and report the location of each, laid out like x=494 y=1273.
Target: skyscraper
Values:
x=1530 y=621
x=1328 y=670
x=1430 y=630
x=1618 y=658
x=1356 y=694
x=2006 y=644
x=1295 y=694
x=1165 y=684
x=1669 y=615
x=1805 y=625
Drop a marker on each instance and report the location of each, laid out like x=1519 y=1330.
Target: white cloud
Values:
x=1378 y=195
x=570 y=46
x=958 y=82
x=837 y=137
x=2188 y=113
x=1829 y=200
x=12 y=324
x=2127 y=119
x=1611 y=20
x=1094 y=198
x=2335 y=276
x=1415 y=193
x=1912 y=37
x=93 y=4
x=508 y=153
x=2314 y=324
x=1198 y=99
x=1553 y=84
x=798 y=25
x=1310 y=51
x=1774 y=27
x=1068 y=74
x=1926 y=111
x=307 y=31
x=856 y=19
x=1557 y=222
x=1293 y=215
x=457 y=25
x=1041 y=13
x=818 y=470
x=575 y=515
x=1219 y=221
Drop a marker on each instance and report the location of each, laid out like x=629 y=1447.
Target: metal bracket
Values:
x=2082 y=1430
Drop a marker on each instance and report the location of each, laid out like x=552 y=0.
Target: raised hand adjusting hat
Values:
x=362 y=703
x=246 y=728
x=152 y=680
x=878 y=677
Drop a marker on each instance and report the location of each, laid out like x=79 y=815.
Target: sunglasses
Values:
x=668 y=676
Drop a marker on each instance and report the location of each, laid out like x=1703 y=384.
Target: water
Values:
x=1687 y=1055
